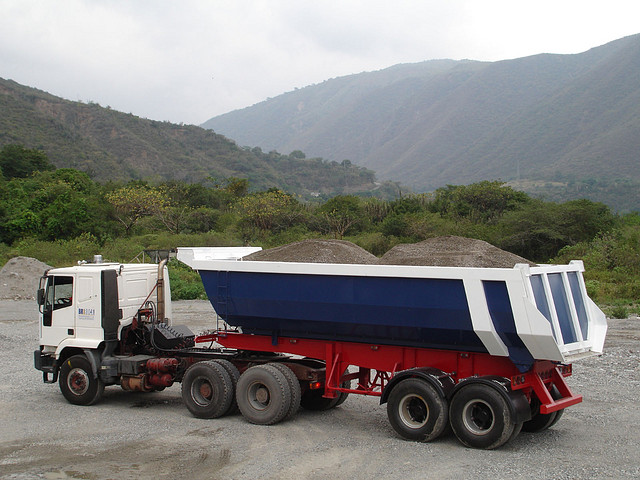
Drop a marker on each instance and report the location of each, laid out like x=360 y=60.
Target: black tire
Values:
x=542 y=421
x=342 y=396
x=77 y=382
x=417 y=411
x=557 y=419
x=314 y=400
x=516 y=431
x=294 y=386
x=207 y=390
x=480 y=417
x=234 y=374
x=263 y=395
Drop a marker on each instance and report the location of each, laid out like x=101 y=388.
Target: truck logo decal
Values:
x=86 y=313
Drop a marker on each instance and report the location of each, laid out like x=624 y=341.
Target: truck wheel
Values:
x=558 y=417
x=207 y=390
x=294 y=385
x=342 y=396
x=234 y=374
x=314 y=400
x=480 y=417
x=541 y=421
x=263 y=395
x=77 y=383
x=416 y=410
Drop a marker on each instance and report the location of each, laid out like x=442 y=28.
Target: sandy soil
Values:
x=140 y=436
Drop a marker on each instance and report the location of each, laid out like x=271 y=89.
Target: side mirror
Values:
x=40 y=296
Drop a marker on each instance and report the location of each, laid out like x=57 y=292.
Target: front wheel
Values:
x=416 y=411
x=77 y=382
x=480 y=417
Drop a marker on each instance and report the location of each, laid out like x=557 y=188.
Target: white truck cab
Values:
x=84 y=305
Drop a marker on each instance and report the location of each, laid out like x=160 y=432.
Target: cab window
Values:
x=60 y=292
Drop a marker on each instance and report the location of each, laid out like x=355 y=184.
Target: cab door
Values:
x=58 y=314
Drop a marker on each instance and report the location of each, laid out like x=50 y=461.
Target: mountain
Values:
x=111 y=145
x=554 y=118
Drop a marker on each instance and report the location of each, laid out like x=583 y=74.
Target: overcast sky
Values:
x=189 y=60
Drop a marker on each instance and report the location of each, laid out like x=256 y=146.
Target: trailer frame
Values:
x=390 y=361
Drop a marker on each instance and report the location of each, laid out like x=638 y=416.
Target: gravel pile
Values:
x=448 y=251
x=451 y=251
x=316 y=251
x=19 y=278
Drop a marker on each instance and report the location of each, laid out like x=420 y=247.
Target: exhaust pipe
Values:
x=160 y=291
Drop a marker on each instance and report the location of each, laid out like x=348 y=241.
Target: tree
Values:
x=583 y=219
x=238 y=187
x=17 y=161
x=272 y=210
x=395 y=225
x=48 y=206
x=342 y=213
x=203 y=219
x=479 y=202
x=133 y=202
x=540 y=229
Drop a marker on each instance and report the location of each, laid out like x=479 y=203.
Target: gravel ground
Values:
x=138 y=436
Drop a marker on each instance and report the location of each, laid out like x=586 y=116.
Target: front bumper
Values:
x=47 y=365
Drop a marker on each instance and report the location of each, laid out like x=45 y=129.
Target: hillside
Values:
x=563 y=118
x=111 y=145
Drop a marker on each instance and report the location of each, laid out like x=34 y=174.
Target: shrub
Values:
x=619 y=311
x=185 y=283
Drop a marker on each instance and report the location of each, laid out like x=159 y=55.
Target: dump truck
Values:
x=485 y=351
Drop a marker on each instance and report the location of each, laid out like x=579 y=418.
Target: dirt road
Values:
x=140 y=436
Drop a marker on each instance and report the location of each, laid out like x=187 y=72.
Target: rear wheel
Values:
x=480 y=417
x=557 y=419
x=294 y=386
x=234 y=374
x=77 y=382
x=263 y=395
x=416 y=411
x=314 y=400
x=542 y=421
x=207 y=390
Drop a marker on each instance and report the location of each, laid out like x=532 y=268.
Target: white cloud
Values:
x=190 y=60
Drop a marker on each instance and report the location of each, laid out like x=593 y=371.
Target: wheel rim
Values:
x=78 y=381
x=202 y=391
x=478 y=417
x=258 y=396
x=413 y=411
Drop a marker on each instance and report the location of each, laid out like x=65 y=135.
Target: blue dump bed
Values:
x=525 y=313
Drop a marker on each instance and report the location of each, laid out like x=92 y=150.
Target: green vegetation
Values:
x=62 y=216
x=17 y=161
x=612 y=262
